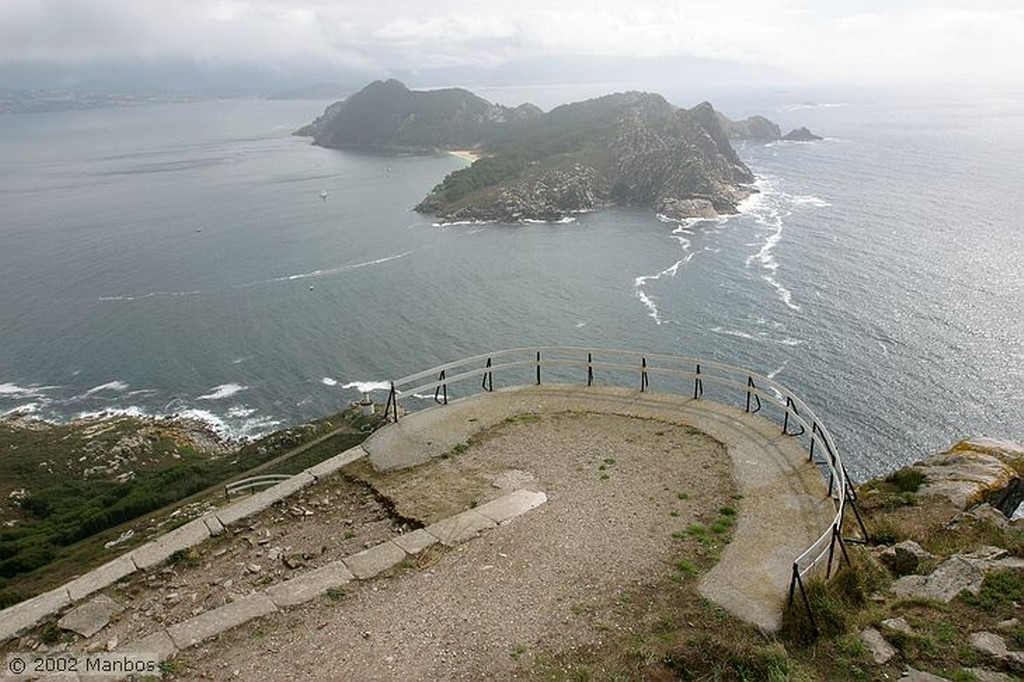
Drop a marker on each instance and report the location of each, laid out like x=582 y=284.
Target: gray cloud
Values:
x=846 y=41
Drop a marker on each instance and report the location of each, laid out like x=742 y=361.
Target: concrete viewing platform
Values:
x=785 y=502
x=785 y=508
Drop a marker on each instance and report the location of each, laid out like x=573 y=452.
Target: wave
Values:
x=223 y=391
x=775 y=372
x=15 y=392
x=328 y=381
x=152 y=294
x=326 y=272
x=368 y=386
x=244 y=428
x=759 y=336
x=115 y=386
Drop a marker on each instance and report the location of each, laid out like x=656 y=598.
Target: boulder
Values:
x=904 y=558
x=881 y=651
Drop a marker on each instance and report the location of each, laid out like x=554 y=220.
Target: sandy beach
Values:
x=470 y=155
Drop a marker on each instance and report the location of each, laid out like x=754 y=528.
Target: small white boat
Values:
x=323 y=194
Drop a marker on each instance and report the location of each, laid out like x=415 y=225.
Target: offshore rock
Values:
x=801 y=135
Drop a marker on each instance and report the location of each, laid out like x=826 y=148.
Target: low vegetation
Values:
x=69 y=489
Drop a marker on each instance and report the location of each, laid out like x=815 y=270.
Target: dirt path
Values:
x=571 y=576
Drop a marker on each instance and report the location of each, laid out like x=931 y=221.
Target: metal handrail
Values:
x=799 y=420
x=254 y=482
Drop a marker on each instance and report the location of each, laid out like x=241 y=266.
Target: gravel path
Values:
x=502 y=606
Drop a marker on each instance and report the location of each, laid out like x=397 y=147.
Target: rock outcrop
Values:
x=756 y=128
x=974 y=471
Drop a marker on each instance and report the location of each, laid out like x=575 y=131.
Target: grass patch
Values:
x=998 y=591
x=524 y=418
x=907 y=480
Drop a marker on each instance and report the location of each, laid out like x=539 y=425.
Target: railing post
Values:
x=757 y=398
x=442 y=388
x=814 y=432
x=392 y=403
x=487 y=383
x=797 y=582
x=538 y=368
x=590 y=369
x=790 y=405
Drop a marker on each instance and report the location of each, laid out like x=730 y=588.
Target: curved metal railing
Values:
x=688 y=376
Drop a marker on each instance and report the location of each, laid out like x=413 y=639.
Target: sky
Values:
x=837 y=42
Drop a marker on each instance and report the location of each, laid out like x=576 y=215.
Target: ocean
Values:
x=180 y=259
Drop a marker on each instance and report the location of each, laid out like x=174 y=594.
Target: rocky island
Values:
x=625 y=149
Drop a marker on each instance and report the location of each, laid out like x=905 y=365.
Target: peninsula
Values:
x=625 y=149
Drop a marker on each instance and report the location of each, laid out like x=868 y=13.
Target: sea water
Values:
x=197 y=259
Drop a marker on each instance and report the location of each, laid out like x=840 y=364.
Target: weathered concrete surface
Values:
x=459 y=528
x=158 y=643
x=415 y=541
x=189 y=535
x=372 y=561
x=331 y=465
x=264 y=499
x=90 y=617
x=211 y=623
x=785 y=505
x=214 y=524
x=98 y=578
x=310 y=585
x=24 y=615
x=512 y=505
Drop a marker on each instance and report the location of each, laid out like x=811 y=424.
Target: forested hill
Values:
x=625 y=149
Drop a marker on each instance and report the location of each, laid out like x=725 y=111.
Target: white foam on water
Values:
x=240 y=411
x=759 y=336
x=368 y=386
x=775 y=372
x=328 y=381
x=325 y=272
x=115 y=386
x=21 y=410
x=223 y=391
x=769 y=213
x=152 y=294
x=9 y=390
x=130 y=411
x=645 y=298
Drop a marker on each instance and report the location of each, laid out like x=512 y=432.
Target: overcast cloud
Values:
x=816 y=41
